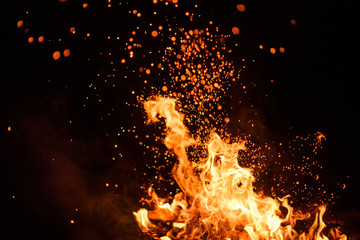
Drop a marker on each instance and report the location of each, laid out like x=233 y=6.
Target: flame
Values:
x=217 y=199
x=320 y=136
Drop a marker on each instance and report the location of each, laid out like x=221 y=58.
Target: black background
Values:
x=53 y=167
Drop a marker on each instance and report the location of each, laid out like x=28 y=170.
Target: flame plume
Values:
x=217 y=199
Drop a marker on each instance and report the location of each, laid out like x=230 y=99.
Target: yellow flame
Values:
x=217 y=199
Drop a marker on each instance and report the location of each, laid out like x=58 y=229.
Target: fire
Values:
x=218 y=200
x=320 y=137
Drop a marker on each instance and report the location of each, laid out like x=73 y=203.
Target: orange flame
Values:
x=217 y=199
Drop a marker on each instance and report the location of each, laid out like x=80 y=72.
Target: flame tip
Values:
x=217 y=196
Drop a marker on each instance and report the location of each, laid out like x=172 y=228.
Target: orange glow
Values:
x=261 y=46
x=147 y=71
x=9 y=128
x=235 y=30
x=41 y=39
x=241 y=7
x=292 y=22
x=320 y=136
x=282 y=50
x=154 y=33
x=227 y=120
x=173 y=39
x=164 y=88
x=56 y=55
x=66 y=52
x=217 y=197
x=30 y=39
x=273 y=50
x=20 y=23
x=85 y=5
x=72 y=30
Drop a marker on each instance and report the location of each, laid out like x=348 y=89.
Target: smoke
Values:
x=61 y=177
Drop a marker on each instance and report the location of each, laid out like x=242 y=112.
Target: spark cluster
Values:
x=182 y=55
